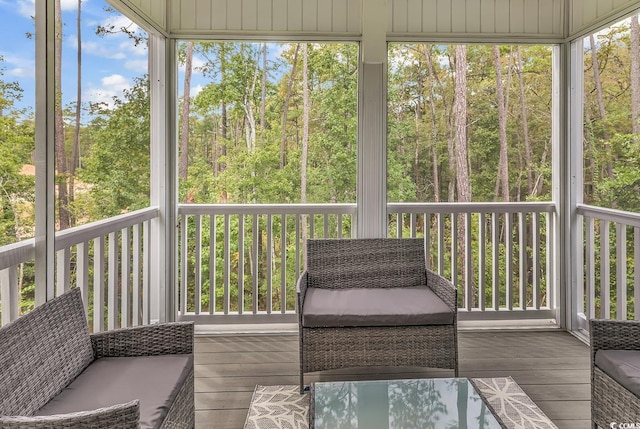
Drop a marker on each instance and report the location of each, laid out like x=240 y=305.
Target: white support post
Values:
x=162 y=76
x=45 y=152
x=372 y=123
x=571 y=181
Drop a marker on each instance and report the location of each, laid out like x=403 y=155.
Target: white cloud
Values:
x=18 y=66
x=196 y=64
x=110 y=86
x=195 y=90
x=99 y=49
x=27 y=8
x=139 y=66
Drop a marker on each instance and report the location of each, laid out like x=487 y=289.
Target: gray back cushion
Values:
x=41 y=353
x=366 y=262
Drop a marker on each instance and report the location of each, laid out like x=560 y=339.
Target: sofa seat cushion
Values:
x=621 y=365
x=154 y=380
x=374 y=307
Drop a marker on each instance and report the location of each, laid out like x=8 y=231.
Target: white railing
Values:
x=108 y=260
x=501 y=256
x=235 y=266
x=235 y=263
x=610 y=265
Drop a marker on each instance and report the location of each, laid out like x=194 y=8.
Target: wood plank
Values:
x=414 y=18
x=443 y=16
x=551 y=367
x=429 y=16
x=399 y=14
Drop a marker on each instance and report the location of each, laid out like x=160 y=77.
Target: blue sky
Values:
x=110 y=63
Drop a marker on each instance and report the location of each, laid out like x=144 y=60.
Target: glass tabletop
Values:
x=400 y=404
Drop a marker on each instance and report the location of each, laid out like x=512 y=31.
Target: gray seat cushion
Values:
x=374 y=307
x=154 y=380
x=621 y=365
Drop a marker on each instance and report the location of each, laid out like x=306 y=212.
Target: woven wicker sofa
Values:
x=54 y=374
x=615 y=372
x=372 y=302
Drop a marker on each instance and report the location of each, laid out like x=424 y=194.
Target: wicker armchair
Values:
x=49 y=359
x=610 y=400
x=372 y=302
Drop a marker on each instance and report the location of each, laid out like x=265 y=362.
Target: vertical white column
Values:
x=162 y=76
x=45 y=151
x=571 y=234
x=372 y=122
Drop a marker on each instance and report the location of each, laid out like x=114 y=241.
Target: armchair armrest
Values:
x=614 y=335
x=444 y=289
x=301 y=291
x=126 y=416
x=148 y=340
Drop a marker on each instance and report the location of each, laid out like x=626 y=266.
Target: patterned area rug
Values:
x=283 y=407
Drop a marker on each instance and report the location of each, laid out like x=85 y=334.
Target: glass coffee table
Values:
x=399 y=404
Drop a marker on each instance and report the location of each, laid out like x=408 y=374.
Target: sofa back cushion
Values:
x=42 y=352
x=366 y=263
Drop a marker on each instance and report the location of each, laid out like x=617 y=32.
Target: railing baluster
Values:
x=213 y=265
x=146 y=284
x=441 y=243
x=427 y=239
x=197 y=280
x=468 y=262
x=522 y=227
x=508 y=278
x=325 y=224
x=340 y=225
x=226 y=299
x=495 y=255
x=112 y=292
x=551 y=244
x=283 y=262
x=298 y=252
x=536 y=261
x=621 y=271
x=63 y=270
x=98 y=284
x=82 y=273
x=399 y=220
x=254 y=278
x=269 y=262
x=9 y=294
x=454 y=247
x=184 y=263
x=126 y=268
x=482 y=256
x=413 y=221
x=590 y=280
x=636 y=272
x=312 y=228
x=605 y=270
x=137 y=267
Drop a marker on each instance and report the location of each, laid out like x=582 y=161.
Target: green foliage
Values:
x=116 y=169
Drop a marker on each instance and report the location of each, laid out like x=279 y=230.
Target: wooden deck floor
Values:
x=552 y=367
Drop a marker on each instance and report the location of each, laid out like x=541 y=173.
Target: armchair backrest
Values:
x=366 y=263
x=42 y=352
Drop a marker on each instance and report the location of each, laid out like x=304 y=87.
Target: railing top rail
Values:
x=612 y=215
x=477 y=207
x=80 y=234
x=17 y=253
x=262 y=209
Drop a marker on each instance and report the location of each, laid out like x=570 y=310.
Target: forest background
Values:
x=277 y=123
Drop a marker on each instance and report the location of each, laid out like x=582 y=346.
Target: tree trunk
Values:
x=263 y=104
x=306 y=107
x=183 y=170
x=462 y=158
x=432 y=79
x=416 y=147
x=61 y=156
x=460 y=117
x=635 y=74
x=528 y=155
x=503 y=164
x=600 y=97
x=75 y=152
x=285 y=112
